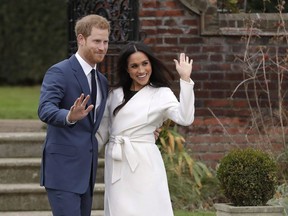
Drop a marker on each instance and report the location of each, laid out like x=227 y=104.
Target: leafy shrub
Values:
x=185 y=174
x=248 y=177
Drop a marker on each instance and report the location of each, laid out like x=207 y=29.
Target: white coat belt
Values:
x=122 y=145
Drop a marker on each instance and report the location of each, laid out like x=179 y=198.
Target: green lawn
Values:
x=19 y=102
x=198 y=213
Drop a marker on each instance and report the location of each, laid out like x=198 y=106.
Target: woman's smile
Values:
x=139 y=69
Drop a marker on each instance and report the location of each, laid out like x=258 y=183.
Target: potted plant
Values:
x=248 y=178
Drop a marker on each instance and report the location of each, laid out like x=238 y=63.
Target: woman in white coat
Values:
x=135 y=176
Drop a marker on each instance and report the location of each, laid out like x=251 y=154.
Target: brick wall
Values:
x=221 y=122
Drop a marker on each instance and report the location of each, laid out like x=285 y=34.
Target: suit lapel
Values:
x=80 y=75
x=102 y=84
x=82 y=80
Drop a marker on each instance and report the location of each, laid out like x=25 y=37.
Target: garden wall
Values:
x=214 y=41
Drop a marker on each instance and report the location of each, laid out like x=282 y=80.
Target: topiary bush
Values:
x=248 y=177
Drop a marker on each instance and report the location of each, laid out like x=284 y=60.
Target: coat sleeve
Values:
x=102 y=134
x=51 y=95
x=182 y=111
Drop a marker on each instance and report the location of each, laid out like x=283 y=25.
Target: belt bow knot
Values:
x=122 y=146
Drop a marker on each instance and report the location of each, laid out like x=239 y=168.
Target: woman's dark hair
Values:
x=161 y=76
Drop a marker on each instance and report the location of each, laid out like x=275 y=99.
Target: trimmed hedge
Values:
x=33 y=35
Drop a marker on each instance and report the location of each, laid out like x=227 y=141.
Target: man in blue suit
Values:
x=70 y=151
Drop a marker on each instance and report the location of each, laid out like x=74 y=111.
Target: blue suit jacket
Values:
x=70 y=153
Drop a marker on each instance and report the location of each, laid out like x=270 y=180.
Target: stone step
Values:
x=19 y=170
x=19 y=144
x=20 y=192
x=32 y=197
x=27 y=170
x=43 y=213
x=22 y=125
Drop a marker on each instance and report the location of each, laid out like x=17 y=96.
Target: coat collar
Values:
x=139 y=103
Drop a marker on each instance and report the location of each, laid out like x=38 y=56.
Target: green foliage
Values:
x=266 y=6
x=231 y=6
x=194 y=213
x=281 y=197
x=255 y=6
x=33 y=36
x=248 y=177
x=185 y=174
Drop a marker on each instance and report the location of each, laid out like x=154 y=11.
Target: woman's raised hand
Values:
x=184 y=66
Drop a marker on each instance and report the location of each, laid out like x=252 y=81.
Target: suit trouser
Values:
x=64 y=203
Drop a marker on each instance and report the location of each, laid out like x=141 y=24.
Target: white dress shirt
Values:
x=87 y=69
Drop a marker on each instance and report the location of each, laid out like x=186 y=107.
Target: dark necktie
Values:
x=93 y=89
